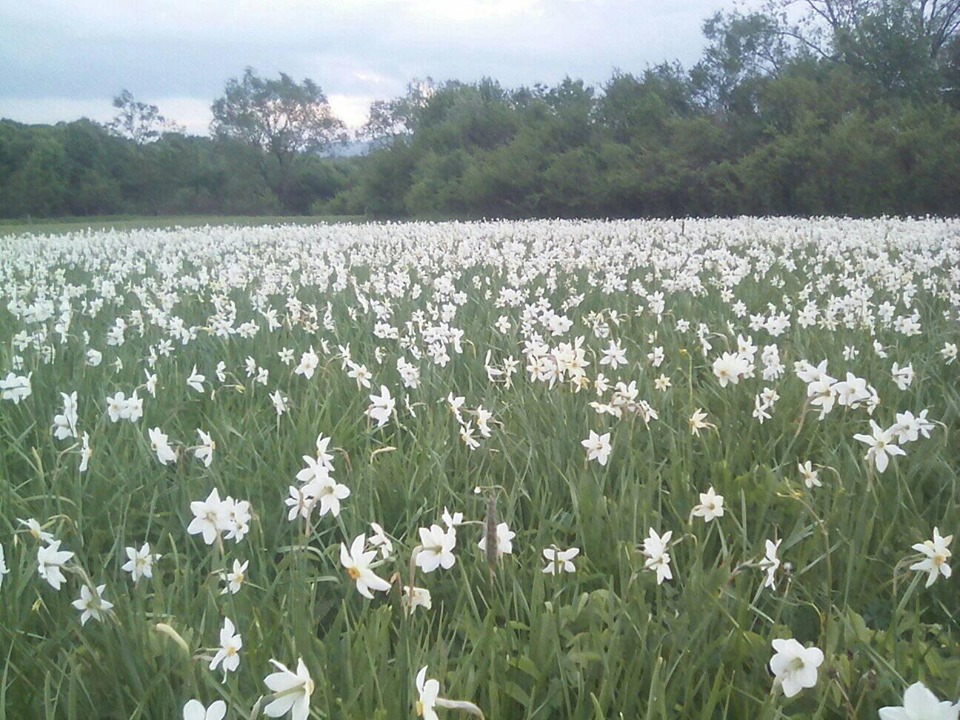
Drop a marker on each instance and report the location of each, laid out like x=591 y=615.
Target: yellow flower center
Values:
x=353 y=573
x=419 y=708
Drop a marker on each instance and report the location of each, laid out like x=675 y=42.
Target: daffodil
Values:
x=358 y=563
x=291 y=691
x=794 y=666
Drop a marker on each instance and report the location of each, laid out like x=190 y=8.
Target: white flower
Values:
x=229 y=652
x=194 y=710
x=161 y=446
x=91 y=603
x=505 y=538
x=3 y=566
x=36 y=531
x=656 y=550
x=65 y=425
x=94 y=357
x=770 y=562
x=936 y=554
x=195 y=381
x=729 y=368
x=209 y=517
x=15 y=388
x=882 y=446
x=598 y=447
x=380 y=540
x=50 y=561
x=710 y=507
x=292 y=691
x=436 y=549
x=451 y=520
x=809 y=475
x=559 y=560
x=902 y=376
x=309 y=362
x=417 y=597
x=358 y=563
x=921 y=704
x=381 y=407
x=794 y=666
x=235 y=578
x=140 y=562
x=428 y=691
x=207 y=446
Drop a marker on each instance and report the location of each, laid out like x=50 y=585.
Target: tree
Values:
x=280 y=117
x=138 y=121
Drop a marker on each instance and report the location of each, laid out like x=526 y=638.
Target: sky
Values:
x=66 y=59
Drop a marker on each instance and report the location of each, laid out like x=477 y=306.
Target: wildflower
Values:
x=50 y=562
x=902 y=376
x=140 y=562
x=662 y=383
x=236 y=577
x=794 y=666
x=451 y=520
x=85 y=452
x=380 y=540
x=209 y=517
x=229 y=653
x=65 y=425
x=414 y=598
x=771 y=563
x=3 y=566
x=882 y=446
x=936 y=554
x=428 y=690
x=437 y=547
x=614 y=355
x=279 y=401
x=809 y=475
x=194 y=710
x=195 y=381
x=656 y=550
x=309 y=362
x=921 y=704
x=559 y=560
x=292 y=691
x=729 y=368
x=697 y=423
x=207 y=446
x=94 y=357
x=151 y=383
x=161 y=446
x=360 y=374
x=381 y=407
x=357 y=561
x=329 y=493
x=91 y=603
x=949 y=352
x=505 y=538
x=598 y=447
x=710 y=507
x=36 y=531
x=15 y=388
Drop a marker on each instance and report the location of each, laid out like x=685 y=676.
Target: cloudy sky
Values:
x=64 y=59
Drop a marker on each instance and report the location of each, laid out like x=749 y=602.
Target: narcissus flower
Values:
x=936 y=553
x=194 y=710
x=358 y=563
x=292 y=691
x=794 y=666
x=91 y=603
x=921 y=704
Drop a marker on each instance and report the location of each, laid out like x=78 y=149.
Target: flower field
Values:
x=647 y=469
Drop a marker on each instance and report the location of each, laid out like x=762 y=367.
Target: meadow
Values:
x=633 y=469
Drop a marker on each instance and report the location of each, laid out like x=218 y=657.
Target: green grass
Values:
x=604 y=642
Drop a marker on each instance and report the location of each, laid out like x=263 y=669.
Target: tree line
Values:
x=848 y=107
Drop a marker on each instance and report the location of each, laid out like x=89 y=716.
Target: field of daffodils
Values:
x=585 y=470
